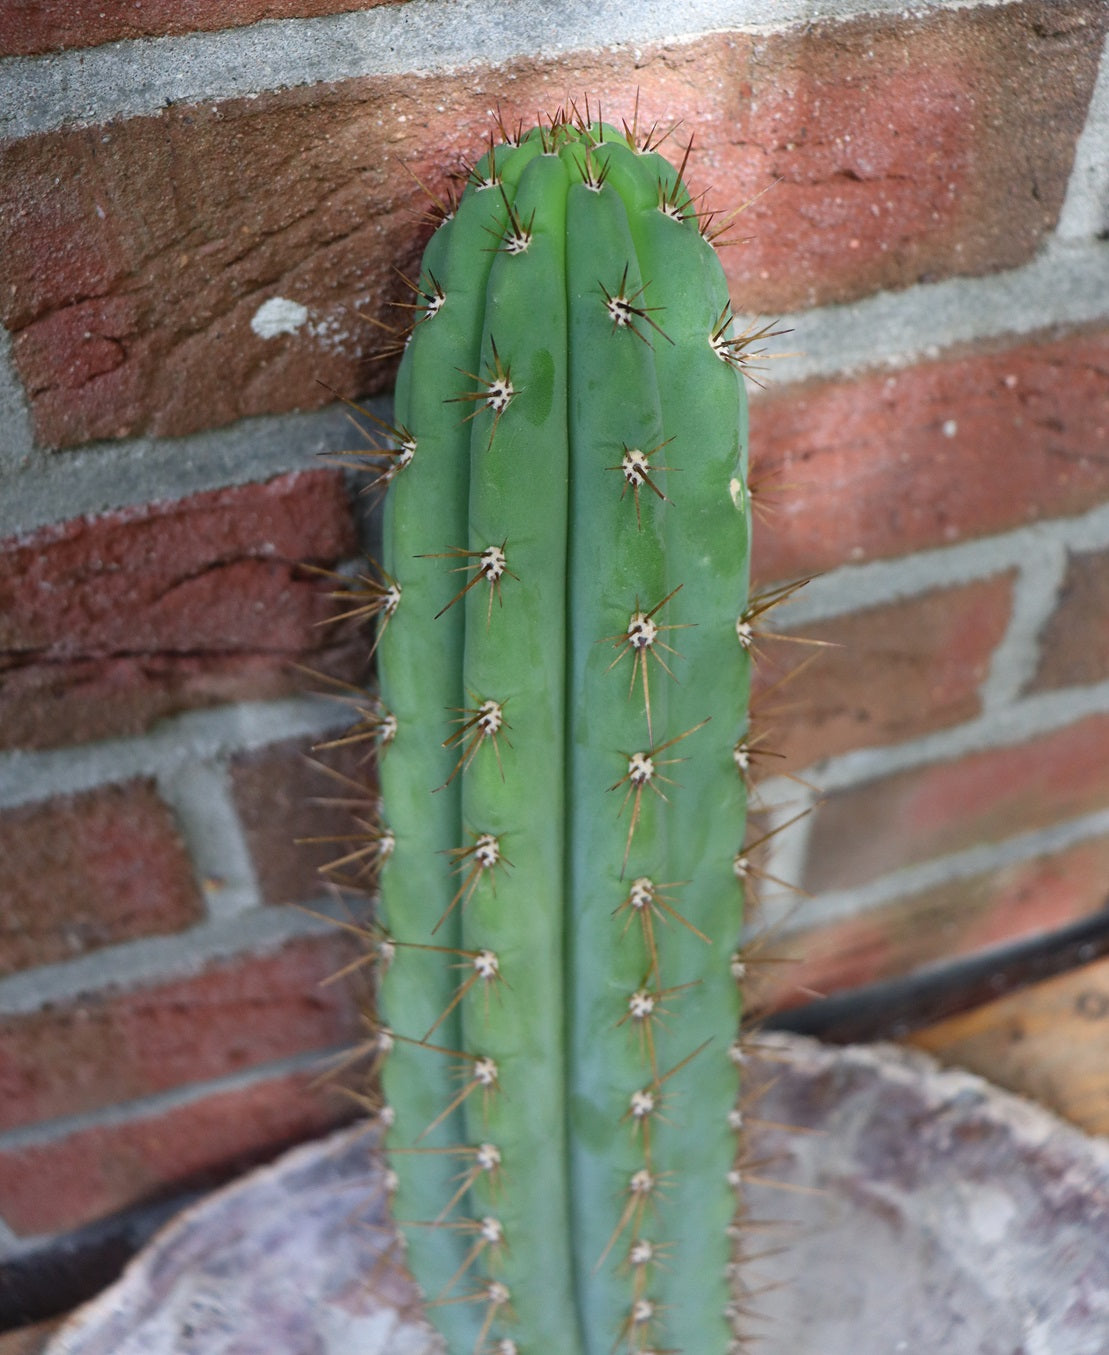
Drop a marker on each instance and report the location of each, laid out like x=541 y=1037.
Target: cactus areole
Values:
x=564 y=678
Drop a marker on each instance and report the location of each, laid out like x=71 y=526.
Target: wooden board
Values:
x=28 y=1340
x=1049 y=1042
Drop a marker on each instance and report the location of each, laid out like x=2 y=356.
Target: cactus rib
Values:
x=566 y=691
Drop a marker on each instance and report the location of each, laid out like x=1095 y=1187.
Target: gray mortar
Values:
x=852 y=588
x=129 y=79
x=779 y=909
x=787 y=915
x=1036 y=714
x=47 y=487
x=160 y=1103
x=1085 y=211
x=1014 y=724
x=173 y=745
x=199 y=793
x=1036 y=591
x=183 y=955
x=1068 y=285
x=1037 y=554
x=15 y=415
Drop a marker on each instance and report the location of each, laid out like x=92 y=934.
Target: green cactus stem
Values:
x=564 y=672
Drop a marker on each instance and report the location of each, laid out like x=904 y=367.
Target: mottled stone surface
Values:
x=275 y=1265
x=937 y=1215
x=954 y=1217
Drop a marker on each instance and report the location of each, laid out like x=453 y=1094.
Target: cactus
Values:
x=563 y=643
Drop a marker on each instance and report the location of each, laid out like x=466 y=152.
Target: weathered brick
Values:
x=1074 y=644
x=888 y=167
x=85 y=871
x=68 y=1181
x=31 y=26
x=281 y=797
x=118 y=1044
x=864 y=831
x=1021 y=900
x=888 y=673
x=137 y=253
x=43 y=705
x=111 y=622
x=960 y=447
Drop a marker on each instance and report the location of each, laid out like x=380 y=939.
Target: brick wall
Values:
x=198 y=230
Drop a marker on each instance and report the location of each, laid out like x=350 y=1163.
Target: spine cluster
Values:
x=563 y=727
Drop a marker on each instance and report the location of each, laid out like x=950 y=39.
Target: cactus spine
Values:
x=564 y=666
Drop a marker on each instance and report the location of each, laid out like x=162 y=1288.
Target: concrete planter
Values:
x=929 y=1213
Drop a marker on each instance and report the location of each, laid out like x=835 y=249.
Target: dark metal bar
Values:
x=64 y=1271
x=892 y=1010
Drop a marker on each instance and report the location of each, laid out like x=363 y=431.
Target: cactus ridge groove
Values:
x=560 y=1046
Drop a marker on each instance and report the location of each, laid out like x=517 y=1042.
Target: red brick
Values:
x=28 y=26
x=111 y=622
x=42 y=705
x=86 y=871
x=118 y=1044
x=1028 y=898
x=864 y=831
x=138 y=251
x=1074 y=644
x=889 y=673
x=278 y=794
x=962 y=447
x=72 y=1180
x=878 y=143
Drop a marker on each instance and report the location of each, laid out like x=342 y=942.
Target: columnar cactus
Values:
x=563 y=650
